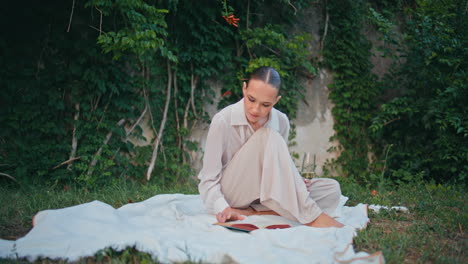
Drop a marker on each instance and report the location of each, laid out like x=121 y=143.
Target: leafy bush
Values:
x=427 y=121
x=73 y=99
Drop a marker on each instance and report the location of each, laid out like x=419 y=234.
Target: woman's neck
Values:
x=259 y=124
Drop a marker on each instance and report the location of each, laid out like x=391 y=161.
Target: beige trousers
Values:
x=262 y=175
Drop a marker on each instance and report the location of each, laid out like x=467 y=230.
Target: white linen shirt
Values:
x=229 y=130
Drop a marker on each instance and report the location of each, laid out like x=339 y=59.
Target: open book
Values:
x=244 y=227
x=255 y=222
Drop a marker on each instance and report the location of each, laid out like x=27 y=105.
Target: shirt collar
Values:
x=238 y=116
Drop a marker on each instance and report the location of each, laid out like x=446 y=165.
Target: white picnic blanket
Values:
x=176 y=228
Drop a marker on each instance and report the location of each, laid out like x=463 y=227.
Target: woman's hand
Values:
x=233 y=214
x=251 y=211
x=308 y=183
x=229 y=214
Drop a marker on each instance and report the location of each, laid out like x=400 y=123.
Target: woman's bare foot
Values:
x=324 y=220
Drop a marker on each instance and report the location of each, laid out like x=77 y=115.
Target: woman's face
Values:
x=259 y=98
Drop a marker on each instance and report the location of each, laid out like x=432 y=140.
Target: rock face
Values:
x=314 y=124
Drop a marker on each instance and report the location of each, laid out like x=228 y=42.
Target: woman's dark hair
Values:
x=267 y=75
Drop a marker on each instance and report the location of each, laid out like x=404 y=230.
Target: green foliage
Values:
x=117 y=61
x=90 y=85
x=354 y=88
x=427 y=121
x=42 y=92
x=141 y=34
x=422 y=99
x=270 y=46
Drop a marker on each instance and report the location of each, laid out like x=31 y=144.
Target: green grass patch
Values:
x=433 y=231
x=18 y=204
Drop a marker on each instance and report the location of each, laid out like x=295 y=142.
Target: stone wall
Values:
x=314 y=121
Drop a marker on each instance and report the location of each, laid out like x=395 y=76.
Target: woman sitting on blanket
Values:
x=247 y=168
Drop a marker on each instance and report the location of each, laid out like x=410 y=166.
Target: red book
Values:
x=250 y=227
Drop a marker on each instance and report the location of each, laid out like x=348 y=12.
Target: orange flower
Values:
x=227 y=93
x=232 y=20
x=373 y=192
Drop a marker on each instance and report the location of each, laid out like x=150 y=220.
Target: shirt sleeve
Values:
x=210 y=175
x=284 y=127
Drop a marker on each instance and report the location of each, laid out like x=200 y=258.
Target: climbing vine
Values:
x=75 y=108
x=411 y=124
x=426 y=123
x=354 y=88
x=82 y=81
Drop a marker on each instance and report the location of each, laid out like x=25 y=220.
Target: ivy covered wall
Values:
x=79 y=80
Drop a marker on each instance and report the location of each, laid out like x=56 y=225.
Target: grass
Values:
x=433 y=231
x=18 y=204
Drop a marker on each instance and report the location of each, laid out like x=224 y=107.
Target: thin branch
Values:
x=138 y=120
x=163 y=151
x=248 y=51
x=185 y=124
x=385 y=162
x=391 y=121
x=239 y=50
x=150 y=112
x=96 y=103
x=180 y=142
x=66 y=162
x=146 y=96
x=115 y=153
x=163 y=122
x=247 y=16
x=8 y=176
x=71 y=16
x=98 y=153
x=176 y=107
x=40 y=64
x=74 y=139
x=184 y=148
x=272 y=50
x=325 y=31
x=194 y=124
x=145 y=74
x=193 y=85
x=295 y=9
x=97 y=29
x=187 y=106
x=105 y=108
x=100 y=20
